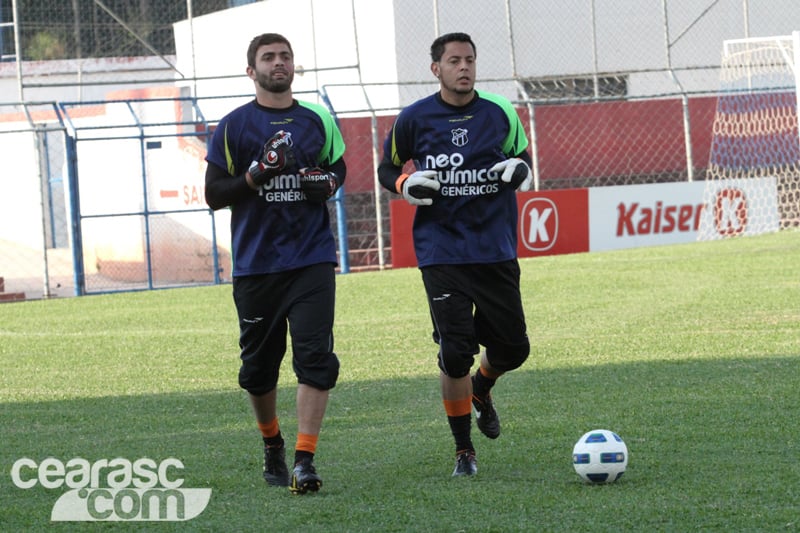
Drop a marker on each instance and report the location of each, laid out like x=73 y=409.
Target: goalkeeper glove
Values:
x=275 y=157
x=420 y=188
x=515 y=172
x=317 y=184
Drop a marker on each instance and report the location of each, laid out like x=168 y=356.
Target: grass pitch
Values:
x=691 y=353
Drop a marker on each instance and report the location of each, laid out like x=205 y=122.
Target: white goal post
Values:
x=753 y=176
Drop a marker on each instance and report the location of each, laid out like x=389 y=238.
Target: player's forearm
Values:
x=340 y=169
x=222 y=189
x=388 y=173
x=525 y=156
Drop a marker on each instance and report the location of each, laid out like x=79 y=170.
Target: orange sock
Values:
x=269 y=429
x=306 y=443
x=458 y=407
x=488 y=373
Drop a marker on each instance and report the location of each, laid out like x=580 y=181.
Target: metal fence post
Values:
x=78 y=272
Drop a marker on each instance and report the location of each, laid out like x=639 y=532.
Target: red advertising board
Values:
x=566 y=221
x=553 y=222
x=550 y=222
x=401 y=218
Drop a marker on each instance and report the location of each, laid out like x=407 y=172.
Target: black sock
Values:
x=481 y=385
x=300 y=456
x=274 y=442
x=460 y=427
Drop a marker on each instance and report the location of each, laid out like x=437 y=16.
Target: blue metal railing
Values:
x=80 y=131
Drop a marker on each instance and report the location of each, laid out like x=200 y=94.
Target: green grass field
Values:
x=691 y=353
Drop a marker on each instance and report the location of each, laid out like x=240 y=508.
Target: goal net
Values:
x=753 y=179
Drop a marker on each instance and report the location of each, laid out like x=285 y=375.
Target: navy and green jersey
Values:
x=474 y=218
x=276 y=229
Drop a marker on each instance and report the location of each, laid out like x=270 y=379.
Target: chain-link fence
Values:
x=35 y=249
x=611 y=92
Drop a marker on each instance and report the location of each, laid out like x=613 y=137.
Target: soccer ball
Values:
x=600 y=456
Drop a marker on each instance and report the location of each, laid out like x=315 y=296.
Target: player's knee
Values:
x=322 y=373
x=256 y=382
x=455 y=364
x=506 y=357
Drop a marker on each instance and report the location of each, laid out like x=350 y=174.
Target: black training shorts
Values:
x=477 y=304
x=298 y=301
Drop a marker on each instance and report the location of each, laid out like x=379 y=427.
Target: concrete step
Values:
x=9 y=296
x=12 y=296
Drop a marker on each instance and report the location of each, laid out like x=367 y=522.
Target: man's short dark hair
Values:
x=437 y=48
x=264 y=39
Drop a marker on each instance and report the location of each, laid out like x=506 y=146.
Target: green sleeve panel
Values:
x=333 y=149
x=228 y=157
x=516 y=142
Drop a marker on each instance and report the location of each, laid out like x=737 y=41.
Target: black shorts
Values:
x=299 y=301
x=473 y=305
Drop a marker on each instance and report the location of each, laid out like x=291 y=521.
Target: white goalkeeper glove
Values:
x=515 y=172
x=420 y=188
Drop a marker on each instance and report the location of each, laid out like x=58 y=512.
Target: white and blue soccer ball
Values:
x=600 y=456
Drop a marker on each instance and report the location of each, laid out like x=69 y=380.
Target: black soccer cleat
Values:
x=305 y=478
x=275 y=472
x=486 y=416
x=466 y=463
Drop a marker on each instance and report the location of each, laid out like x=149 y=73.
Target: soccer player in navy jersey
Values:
x=275 y=161
x=469 y=154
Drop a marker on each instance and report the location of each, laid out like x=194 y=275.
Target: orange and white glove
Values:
x=419 y=188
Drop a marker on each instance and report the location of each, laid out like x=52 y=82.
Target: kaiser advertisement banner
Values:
x=673 y=213
x=644 y=215
x=610 y=218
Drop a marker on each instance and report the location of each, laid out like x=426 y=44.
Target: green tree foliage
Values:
x=107 y=28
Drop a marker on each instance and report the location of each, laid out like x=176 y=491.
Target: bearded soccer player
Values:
x=469 y=153
x=275 y=161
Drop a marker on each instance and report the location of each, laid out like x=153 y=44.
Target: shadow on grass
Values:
x=713 y=445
